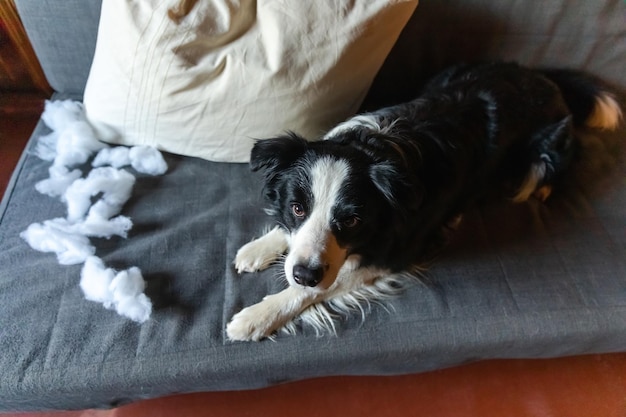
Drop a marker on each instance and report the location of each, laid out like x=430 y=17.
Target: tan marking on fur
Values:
x=535 y=175
x=606 y=114
x=542 y=193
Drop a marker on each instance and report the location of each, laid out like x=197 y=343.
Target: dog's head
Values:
x=341 y=206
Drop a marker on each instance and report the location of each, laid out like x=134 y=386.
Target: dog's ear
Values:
x=383 y=176
x=395 y=187
x=277 y=152
x=557 y=137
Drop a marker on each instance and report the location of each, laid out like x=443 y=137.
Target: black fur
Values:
x=474 y=130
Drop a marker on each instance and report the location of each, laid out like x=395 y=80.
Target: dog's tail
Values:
x=589 y=100
x=591 y=104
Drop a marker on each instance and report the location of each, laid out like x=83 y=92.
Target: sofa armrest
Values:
x=63 y=35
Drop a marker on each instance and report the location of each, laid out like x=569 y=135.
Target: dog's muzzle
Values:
x=308 y=277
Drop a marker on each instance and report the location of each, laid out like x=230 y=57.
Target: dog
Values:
x=356 y=211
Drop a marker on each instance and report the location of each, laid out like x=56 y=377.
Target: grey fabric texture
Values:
x=517 y=281
x=554 y=33
x=63 y=35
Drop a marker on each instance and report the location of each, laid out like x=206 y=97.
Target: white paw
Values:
x=262 y=252
x=254 y=256
x=261 y=320
x=251 y=324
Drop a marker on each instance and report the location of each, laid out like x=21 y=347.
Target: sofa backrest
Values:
x=587 y=35
x=63 y=35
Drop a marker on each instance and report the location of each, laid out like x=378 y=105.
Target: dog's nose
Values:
x=308 y=277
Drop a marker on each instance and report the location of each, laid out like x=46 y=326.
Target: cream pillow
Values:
x=227 y=72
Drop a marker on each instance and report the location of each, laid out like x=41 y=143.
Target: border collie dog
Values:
x=356 y=211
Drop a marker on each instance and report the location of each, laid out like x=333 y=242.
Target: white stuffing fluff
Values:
x=94 y=226
x=70 y=248
x=94 y=204
x=60 y=179
x=47 y=146
x=128 y=297
x=72 y=140
x=147 y=160
x=95 y=280
x=75 y=144
x=122 y=291
x=144 y=159
x=116 y=157
x=59 y=114
x=98 y=226
x=115 y=187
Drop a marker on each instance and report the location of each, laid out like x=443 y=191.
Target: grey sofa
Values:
x=521 y=281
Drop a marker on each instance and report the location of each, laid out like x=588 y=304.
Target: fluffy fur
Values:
x=358 y=210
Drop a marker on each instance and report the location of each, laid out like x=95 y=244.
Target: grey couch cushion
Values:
x=518 y=281
x=529 y=280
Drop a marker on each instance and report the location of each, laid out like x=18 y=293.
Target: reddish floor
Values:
x=589 y=386
x=583 y=386
x=18 y=115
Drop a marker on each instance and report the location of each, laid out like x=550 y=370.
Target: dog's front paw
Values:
x=262 y=252
x=261 y=320
x=250 y=324
x=253 y=257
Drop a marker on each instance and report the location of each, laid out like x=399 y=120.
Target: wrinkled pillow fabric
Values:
x=227 y=72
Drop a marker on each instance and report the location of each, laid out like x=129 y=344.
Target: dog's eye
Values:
x=298 y=210
x=350 y=222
